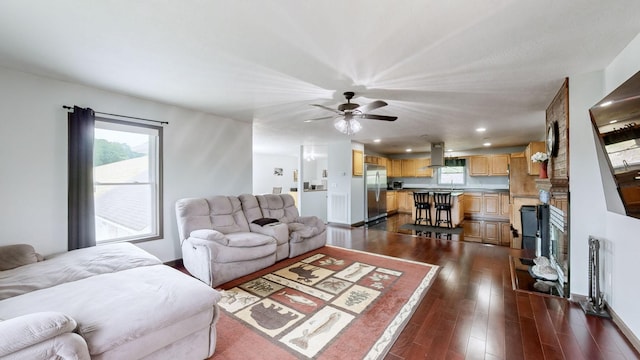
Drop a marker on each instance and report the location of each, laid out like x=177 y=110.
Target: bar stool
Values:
x=422 y=204
x=442 y=203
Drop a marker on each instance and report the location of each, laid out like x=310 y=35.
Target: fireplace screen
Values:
x=558 y=245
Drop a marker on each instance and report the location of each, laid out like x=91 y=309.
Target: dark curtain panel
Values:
x=81 y=211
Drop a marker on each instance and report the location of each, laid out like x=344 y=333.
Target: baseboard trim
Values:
x=623 y=327
x=635 y=342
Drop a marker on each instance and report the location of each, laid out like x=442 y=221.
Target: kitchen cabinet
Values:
x=499 y=165
x=396 y=168
x=472 y=230
x=408 y=167
x=478 y=165
x=473 y=203
x=357 y=162
x=533 y=168
x=490 y=205
x=422 y=167
x=487 y=232
x=505 y=234
x=392 y=201
x=489 y=165
x=405 y=201
x=505 y=205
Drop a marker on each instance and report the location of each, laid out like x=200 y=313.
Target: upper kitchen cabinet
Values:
x=395 y=168
x=357 y=158
x=489 y=165
x=408 y=167
x=422 y=167
x=532 y=148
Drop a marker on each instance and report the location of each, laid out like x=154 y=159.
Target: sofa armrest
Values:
x=23 y=331
x=210 y=235
x=312 y=221
x=278 y=231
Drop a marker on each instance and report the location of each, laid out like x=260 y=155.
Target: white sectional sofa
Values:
x=105 y=302
x=226 y=237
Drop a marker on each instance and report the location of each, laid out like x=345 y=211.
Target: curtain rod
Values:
x=124 y=116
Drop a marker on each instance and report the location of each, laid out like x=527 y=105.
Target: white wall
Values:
x=589 y=214
x=33 y=165
x=264 y=179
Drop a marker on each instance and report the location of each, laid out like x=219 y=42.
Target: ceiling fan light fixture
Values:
x=347 y=126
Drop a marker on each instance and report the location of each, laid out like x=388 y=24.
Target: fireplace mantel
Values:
x=556 y=187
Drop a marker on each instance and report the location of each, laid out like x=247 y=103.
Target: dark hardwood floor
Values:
x=472 y=312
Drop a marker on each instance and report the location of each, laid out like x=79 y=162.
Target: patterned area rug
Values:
x=331 y=303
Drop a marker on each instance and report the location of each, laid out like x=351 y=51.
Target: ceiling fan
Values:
x=348 y=113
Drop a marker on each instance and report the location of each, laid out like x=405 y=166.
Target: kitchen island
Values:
x=406 y=205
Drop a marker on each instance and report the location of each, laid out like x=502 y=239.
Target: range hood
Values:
x=437 y=154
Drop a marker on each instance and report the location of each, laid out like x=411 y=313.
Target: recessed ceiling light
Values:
x=487 y=144
x=607 y=103
x=481 y=129
x=613 y=121
x=408 y=150
x=449 y=150
x=376 y=140
x=307 y=121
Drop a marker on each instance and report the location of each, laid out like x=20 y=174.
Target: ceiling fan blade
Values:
x=327 y=108
x=379 y=117
x=321 y=118
x=372 y=106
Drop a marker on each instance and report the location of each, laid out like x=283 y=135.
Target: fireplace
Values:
x=558 y=244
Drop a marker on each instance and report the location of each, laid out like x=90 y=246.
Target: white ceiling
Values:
x=444 y=67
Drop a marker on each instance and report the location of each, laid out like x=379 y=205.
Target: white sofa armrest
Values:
x=278 y=231
x=312 y=221
x=23 y=331
x=210 y=235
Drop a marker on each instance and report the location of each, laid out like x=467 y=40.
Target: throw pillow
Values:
x=13 y=256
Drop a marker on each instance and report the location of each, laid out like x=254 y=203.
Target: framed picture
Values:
x=277 y=171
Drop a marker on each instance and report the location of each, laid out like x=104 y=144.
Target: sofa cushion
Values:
x=115 y=309
x=298 y=232
x=73 y=265
x=211 y=235
x=281 y=207
x=24 y=331
x=13 y=256
x=226 y=215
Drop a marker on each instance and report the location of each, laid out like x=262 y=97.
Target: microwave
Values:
x=396 y=185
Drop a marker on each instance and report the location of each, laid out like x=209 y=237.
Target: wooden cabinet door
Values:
x=478 y=165
x=473 y=203
x=357 y=162
x=491 y=233
x=405 y=201
x=505 y=205
x=505 y=234
x=472 y=230
x=396 y=168
x=422 y=167
x=499 y=165
x=408 y=167
x=491 y=204
x=392 y=201
x=534 y=147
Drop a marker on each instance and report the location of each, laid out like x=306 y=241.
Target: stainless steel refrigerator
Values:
x=375 y=184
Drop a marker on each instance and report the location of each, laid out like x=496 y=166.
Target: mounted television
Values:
x=616 y=119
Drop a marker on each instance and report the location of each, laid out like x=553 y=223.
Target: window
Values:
x=127 y=174
x=453 y=173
